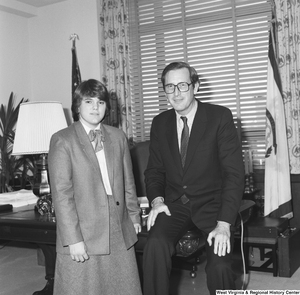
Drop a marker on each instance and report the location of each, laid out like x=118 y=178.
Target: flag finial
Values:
x=73 y=37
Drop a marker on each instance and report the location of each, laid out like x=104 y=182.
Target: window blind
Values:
x=226 y=41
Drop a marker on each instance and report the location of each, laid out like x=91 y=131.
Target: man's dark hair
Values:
x=180 y=65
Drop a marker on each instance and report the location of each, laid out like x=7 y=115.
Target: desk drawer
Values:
x=44 y=236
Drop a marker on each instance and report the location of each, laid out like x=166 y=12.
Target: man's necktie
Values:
x=184 y=140
x=96 y=135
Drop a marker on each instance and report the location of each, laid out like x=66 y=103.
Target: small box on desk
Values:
x=266 y=227
x=289 y=252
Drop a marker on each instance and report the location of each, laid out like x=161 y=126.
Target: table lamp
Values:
x=37 y=122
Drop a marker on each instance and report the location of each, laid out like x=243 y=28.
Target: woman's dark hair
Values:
x=180 y=65
x=89 y=88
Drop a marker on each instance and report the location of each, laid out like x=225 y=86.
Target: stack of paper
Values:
x=19 y=198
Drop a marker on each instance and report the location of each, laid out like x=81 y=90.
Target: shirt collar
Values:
x=88 y=129
x=190 y=116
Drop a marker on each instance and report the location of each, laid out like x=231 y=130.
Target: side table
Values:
x=263 y=233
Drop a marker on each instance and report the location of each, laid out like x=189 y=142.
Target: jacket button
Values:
x=117 y=203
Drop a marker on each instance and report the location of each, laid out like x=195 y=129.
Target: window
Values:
x=226 y=41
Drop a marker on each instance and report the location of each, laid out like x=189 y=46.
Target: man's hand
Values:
x=78 y=252
x=158 y=206
x=137 y=228
x=221 y=234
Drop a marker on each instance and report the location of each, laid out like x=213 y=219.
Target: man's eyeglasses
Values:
x=182 y=87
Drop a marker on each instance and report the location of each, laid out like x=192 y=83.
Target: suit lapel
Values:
x=109 y=154
x=86 y=145
x=197 y=132
x=172 y=139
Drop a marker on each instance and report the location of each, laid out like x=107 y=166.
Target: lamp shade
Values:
x=37 y=122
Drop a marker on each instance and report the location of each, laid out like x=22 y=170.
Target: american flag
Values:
x=76 y=76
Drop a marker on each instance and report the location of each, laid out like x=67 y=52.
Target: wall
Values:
x=50 y=50
x=14 y=57
x=37 y=58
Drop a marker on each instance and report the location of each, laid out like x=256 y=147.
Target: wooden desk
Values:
x=26 y=225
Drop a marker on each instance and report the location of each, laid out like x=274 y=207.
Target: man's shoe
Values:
x=48 y=289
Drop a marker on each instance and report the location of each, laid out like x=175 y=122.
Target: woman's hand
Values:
x=78 y=252
x=137 y=228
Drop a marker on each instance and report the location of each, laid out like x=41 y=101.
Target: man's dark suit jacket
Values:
x=213 y=176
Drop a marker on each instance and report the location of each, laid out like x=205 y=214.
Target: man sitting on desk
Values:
x=195 y=176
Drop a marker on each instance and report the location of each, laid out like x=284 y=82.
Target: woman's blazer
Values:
x=80 y=200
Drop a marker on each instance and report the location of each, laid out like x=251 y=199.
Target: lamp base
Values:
x=45 y=206
x=41 y=188
x=41 y=185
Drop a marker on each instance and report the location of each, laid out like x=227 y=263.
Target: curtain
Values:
x=288 y=38
x=114 y=60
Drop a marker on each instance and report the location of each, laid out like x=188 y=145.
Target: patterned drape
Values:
x=288 y=38
x=114 y=61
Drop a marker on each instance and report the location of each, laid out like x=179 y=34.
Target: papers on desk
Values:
x=19 y=198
